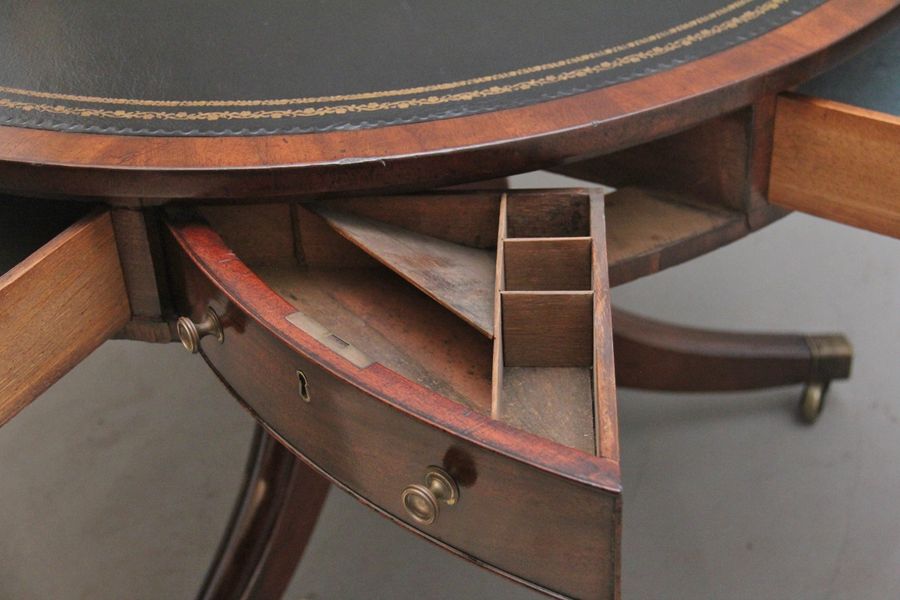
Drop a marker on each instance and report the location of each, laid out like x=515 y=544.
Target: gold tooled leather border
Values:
x=399 y=104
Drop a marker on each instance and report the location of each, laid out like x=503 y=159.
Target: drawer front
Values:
x=56 y=306
x=549 y=531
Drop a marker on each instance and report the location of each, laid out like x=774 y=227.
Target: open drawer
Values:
x=393 y=347
x=61 y=293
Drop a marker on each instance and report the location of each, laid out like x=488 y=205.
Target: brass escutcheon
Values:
x=303 y=384
x=190 y=333
x=422 y=502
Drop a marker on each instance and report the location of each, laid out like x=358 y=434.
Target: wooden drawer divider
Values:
x=544 y=321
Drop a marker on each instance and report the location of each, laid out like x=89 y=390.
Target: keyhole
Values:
x=304 y=386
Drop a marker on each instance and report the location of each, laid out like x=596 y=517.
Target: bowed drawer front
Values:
x=454 y=373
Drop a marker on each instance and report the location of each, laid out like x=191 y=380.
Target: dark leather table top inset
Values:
x=276 y=66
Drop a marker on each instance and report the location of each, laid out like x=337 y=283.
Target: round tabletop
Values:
x=274 y=98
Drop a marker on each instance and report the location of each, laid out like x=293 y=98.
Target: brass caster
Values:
x=813 y=401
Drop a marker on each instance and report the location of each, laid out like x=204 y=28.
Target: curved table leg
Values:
x=272 y=521
x=652 y=355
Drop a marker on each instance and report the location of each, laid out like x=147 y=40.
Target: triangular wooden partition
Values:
x=542 y=297
x=458 y=277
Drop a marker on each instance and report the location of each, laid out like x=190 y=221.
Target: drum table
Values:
x=291 y=190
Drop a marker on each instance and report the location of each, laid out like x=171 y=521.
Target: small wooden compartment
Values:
x=541 y=215
x=547 y=329
x=551 y=273
x=559 y=263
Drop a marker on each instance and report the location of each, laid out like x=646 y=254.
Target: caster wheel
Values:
x=813 y=401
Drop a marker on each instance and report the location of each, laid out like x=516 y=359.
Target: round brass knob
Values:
x=190 y=333
x=422 y=502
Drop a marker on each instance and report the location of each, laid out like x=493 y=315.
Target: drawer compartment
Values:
x=547 y=329
x=61 y=294
x=349 y=345
x=547 y=263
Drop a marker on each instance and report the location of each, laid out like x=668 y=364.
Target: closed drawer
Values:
x=373 y=382
x=61 y=294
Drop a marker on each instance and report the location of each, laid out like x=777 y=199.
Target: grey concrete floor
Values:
x=117 y=482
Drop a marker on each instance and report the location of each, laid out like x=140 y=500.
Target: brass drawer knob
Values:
x=190 y=333
x=422 y=502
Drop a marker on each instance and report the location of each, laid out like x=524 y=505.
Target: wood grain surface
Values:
x=458 y=277
x=837 y=161
x=606 y=423
x=393 y=324
x=56 y=307
x=554 y=402
x=661 y=356
x=712 y=163
x=547 y=329
x=651 y=230
x=273 y=520
x=548 y=263
x=467 y=217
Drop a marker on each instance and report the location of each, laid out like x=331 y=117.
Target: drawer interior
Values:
x=27 y=224
x=387 y=321
x=419 y=344
x=506 y=326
